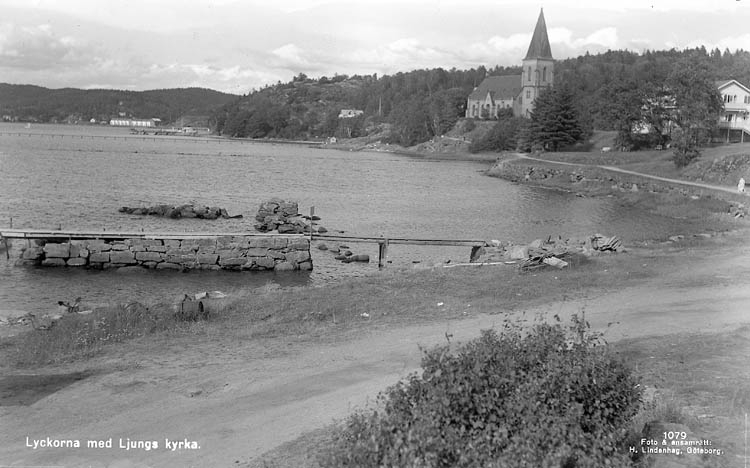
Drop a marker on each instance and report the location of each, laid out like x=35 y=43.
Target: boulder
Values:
x=207 y=259
x=32 y=253
x=54 y=261
x=357 y=258
x=536 y=244
x=265 y=262
x=57 y=250
x=124 y=257
x=284 y=266
x=281 y=215
x=518 y=252
x=297 y=256
x=99 y=257
x=149 y=257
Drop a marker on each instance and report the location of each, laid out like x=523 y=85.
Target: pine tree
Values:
x=554 y=120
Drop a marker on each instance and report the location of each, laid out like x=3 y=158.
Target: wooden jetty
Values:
x=383 y=242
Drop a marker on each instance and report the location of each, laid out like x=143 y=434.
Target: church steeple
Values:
x=538 y=67
x=539 y=47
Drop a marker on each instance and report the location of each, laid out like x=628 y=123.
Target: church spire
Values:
x=539 y=47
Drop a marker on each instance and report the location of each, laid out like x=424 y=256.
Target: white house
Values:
x=516 y=92
x=133 y=122
x=736 y=114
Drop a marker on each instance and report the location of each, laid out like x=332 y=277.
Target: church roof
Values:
x=539 y=47
x=499 y=87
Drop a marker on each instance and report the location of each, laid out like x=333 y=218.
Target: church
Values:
x=516 y=92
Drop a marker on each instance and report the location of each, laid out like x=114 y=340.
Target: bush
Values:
x=502 y=136
x=543 y=398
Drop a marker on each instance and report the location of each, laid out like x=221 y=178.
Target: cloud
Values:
x=290 y=55
x=730 y=42
x=37 y=47
x=399 y=55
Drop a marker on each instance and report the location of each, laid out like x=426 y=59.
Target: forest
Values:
x=28 y=103
x=421 y=104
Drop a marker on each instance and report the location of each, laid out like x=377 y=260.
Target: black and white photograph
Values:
x=374 y=233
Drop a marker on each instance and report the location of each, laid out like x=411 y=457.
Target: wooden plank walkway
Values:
x=401 y=240
x=78 y=235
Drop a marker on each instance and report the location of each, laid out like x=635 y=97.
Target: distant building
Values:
x=349 y=113
x=516 y=92
x=736 y=97
x=118 y=122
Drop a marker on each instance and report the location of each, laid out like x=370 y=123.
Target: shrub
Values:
x=543 y=398
x=502 y=136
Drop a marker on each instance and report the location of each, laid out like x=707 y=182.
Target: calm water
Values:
x=78 y=177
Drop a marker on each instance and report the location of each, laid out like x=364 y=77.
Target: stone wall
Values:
x=242 y=252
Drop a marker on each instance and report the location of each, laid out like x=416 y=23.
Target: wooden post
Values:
x=312 y=212
x=382 y=252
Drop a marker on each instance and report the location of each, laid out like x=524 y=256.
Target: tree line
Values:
x=605 y=91
x=38 y=104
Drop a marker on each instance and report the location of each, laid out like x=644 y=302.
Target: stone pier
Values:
x=272 y=252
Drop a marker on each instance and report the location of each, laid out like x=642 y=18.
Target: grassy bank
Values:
x=266 y=322
x=388 y=298
x=391 y=297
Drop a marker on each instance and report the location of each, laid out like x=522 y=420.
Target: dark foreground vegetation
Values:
x=515 y=399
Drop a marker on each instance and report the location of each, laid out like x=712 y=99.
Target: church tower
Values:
x=538 y=67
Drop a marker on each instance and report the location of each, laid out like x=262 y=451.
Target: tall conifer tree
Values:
x=554 y=120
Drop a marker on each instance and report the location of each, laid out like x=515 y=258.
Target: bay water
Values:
x=77 y=177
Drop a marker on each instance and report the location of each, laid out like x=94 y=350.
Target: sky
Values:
x=237 y=46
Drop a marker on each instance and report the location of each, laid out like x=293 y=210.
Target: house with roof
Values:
x=735 y=118
x=516 y=92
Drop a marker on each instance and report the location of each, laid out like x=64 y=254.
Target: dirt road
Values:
x=238 y=400
x=719 y=188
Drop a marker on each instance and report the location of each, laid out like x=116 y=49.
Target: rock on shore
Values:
x=282 y=216
x=181 y=211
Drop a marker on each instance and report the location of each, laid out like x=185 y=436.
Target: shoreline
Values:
x=272 y=367
x=271 y=387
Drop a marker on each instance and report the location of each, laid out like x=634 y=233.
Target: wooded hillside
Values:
x=38 y=104
x=423 y=103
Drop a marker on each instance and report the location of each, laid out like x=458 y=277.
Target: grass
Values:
x=387 y=298
x=708 y=167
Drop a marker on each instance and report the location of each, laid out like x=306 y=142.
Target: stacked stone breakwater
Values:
x=222 y=252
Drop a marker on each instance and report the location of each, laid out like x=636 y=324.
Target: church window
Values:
x=544 y=74
x=528 y=74
x=528 y=94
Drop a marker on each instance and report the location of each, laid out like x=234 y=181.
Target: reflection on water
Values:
x=79 y=182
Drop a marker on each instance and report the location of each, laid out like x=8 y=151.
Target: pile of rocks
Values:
x=282 y=216
x=737 y=210
x=344 y=254
x=552 y=251
x=181 y=211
